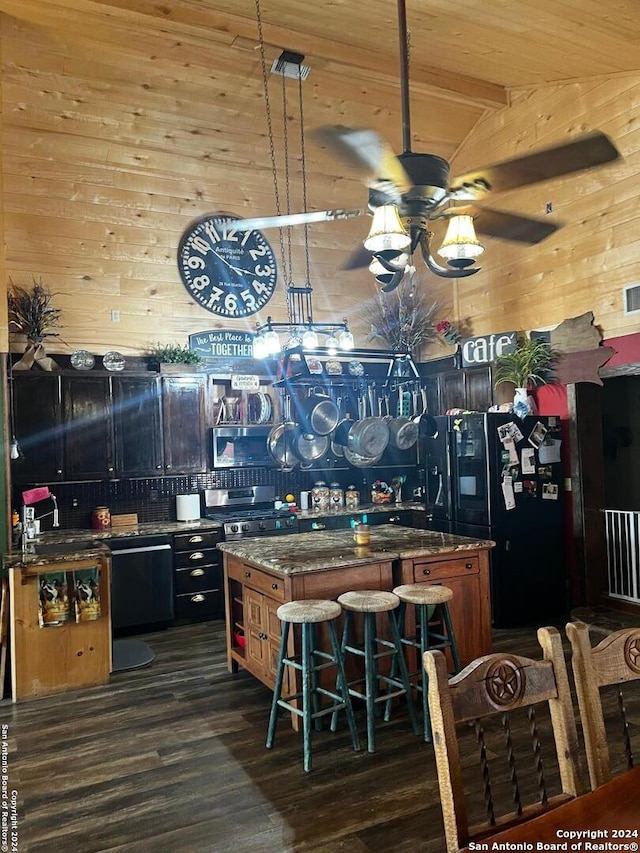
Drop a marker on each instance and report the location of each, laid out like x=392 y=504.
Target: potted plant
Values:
x=175 y=358
x=32 y=314
x=530 y=364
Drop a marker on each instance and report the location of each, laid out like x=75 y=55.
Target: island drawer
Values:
x=199 y=557
x=272 y=586
x=438 y=570
x=196 y=541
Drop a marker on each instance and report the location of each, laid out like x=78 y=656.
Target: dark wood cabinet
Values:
x=449 y=387
x=88 y=428
x=137 y=418
x=37 y=404
x=184 y=424
x=94 y=427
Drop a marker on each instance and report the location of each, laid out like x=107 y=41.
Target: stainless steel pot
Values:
x=311 y=449
x=369 y=436
x=281 y=441
x=360 y=461
x=318 y=415
x=426 y=423
x=403 y=432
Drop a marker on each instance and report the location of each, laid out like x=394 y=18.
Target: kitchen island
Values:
x=262 y=573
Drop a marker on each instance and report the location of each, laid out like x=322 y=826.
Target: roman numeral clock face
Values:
x=230 y=273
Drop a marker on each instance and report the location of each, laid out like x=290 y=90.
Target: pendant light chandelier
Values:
x=300 y=329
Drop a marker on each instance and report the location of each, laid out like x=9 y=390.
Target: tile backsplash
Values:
x=153 y=498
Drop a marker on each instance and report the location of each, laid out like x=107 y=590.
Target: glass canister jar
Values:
x=320 y=496
x=336 y=496
x=101 y=518
x=352 y=498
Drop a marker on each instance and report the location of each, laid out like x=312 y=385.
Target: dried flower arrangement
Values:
x=31 y=312
x=402 y=320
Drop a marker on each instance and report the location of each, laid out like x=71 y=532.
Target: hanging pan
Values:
x=426 y=423
x=369 y=436
x=281 y=441
x=318 y=414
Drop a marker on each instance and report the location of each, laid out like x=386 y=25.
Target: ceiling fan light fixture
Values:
x=460 y=245
x=377 y=267
x=387 y=233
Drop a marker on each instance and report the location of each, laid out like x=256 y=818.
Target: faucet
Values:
x=54 y=513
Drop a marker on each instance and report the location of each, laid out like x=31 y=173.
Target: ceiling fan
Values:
x=418 y=188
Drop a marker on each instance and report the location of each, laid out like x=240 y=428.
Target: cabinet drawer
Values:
x=200 y=605
x=196 y=541
x=445 y=569
x=203 y=557
x=272 y=586
x=197 y=578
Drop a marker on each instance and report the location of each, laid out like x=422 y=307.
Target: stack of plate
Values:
x=260 y=408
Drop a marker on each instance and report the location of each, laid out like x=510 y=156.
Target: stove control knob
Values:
x=234 y=528
x=278 y=524
x=245 y=527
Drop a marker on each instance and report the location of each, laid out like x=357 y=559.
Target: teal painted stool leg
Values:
x=452 y=637
x=341 y=673
x=404 y=675
x=277 y=690
x=402 y=607
x=370 y=678
x=306 y=696
x=344 y=689
x=315 y=680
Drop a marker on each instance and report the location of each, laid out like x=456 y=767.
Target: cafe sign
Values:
x=222 y=343
x=486 y=348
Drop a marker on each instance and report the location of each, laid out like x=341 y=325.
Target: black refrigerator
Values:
x=496 y=476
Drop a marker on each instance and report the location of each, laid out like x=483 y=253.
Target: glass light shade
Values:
x=332 y=345
x=387 y=231
x=399 y=262
x=310 y=339
x=346 y=340
x=272 y=342
x=295 y=339
x=15 y=450
x=259 y=347
x=460 y=242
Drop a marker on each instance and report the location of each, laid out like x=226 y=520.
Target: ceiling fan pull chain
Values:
x=274 y=170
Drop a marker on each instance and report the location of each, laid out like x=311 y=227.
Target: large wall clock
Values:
x=230 y=273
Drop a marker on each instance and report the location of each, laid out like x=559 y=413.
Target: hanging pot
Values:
x=369 y=436
x=318 y=414
x=281 y=441
x=403 y=432
x=343 y=428
x=427 y=424
x=360 y=461
x=311 y=449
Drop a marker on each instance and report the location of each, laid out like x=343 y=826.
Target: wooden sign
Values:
x=245 y=382
x=223 y=343
x=485 y=349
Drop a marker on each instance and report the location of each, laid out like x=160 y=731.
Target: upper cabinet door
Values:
x=137 y=425
x=88 y=428
x=478 y=389
x=37 y=405
x=183 y=424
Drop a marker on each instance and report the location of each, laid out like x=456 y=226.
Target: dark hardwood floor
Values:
x=172 y=758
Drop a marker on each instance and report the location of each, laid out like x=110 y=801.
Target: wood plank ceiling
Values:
x=466 y=61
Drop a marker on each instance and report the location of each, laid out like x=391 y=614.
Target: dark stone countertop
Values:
x=89 y=542
x=331 y=549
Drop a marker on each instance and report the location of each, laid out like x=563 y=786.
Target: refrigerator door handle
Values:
x=438 y=500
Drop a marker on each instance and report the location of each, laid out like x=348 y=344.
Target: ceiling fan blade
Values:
x=508 y=226
x=595 y=149
x=367 y=151
x=359 y=259
x=287 y=219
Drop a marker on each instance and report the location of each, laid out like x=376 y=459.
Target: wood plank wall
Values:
x=114 y=140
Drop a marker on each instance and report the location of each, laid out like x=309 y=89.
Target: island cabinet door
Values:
x=262 y=633
x=468 y=578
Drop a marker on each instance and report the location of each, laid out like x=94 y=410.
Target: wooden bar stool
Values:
x=311 y=661
x=431 y=607
x=369 y=603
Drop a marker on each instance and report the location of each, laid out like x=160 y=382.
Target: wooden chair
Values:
x=485 y=693
x=614 y=661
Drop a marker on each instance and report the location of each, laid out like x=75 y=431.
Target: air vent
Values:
x=289 y=64
x=631 y=299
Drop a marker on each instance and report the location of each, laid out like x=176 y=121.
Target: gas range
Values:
x=248 y=511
